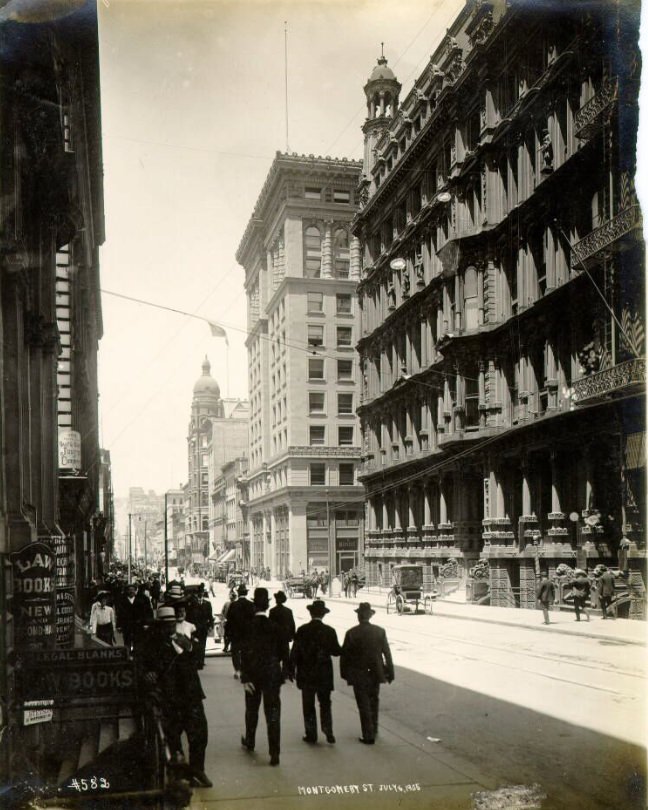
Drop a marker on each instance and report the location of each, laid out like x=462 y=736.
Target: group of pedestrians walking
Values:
x=581 y=591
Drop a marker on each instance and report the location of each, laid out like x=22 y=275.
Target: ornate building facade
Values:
x=304 y=503
x=502 y=324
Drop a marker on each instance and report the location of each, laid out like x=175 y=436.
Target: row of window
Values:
x=344 y=335
x=315 y=303
x=346 y=474
x=316 y=369
x=317 y=404
x=316 y=192
x=341 y=252
x=317 y=435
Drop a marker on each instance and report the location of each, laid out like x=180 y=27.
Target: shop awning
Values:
x=228 y=556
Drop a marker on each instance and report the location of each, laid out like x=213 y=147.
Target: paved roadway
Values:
x=476 y=705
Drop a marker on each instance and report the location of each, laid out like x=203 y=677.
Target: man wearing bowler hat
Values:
x=239 y=617
x=264 y=662
x=365 y=663
x=283 y=616
x=310 y=658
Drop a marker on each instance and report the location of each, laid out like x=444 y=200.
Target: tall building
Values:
x=51 y=210
x=304 y=504
x=230 y=535
x=502 y=322
x=218 y=433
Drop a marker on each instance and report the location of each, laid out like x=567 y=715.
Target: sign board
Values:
x=37 y=711
x=77 y=674
x=64 y=550
x=347 y=544
x=34 y=602
x=65 y=602
x=69 y=449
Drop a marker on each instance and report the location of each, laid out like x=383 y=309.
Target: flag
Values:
x=218 y=331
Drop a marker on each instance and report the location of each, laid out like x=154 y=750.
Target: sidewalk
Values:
x=402 y=769
x=562 y=621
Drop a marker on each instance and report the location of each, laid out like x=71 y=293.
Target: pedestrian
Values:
x=239 y=617
x=200 y=613
x=184 y=627
x=264 y=666
x=605 y=589
x=310 y=660
x=365 y=663
x=580 y=587
x=103 y=623
x=169 y=668
x=134 y=613
x=545 y=595
x=283 y=616
x=224 y=611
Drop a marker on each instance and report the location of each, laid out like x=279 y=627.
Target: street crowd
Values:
x=166 y=632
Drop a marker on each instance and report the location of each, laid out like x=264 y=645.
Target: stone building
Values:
x=304 y=503
x=502 y=324
x=51 y=467
x=230 y=531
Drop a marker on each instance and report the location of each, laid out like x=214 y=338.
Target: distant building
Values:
x=228 y=524
x=502 y=302
x=302 y=266
x=174 y=504
x=218 y=433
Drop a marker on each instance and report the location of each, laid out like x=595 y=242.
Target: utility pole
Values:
x=166 y=541
x=145 y=558
x=130 y=532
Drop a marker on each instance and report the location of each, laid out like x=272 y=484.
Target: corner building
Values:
x=302 y=266
x=502 y=324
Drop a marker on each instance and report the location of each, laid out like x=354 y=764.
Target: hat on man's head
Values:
x=261 y=597
x=318 y=608
x=242 y=589
x=165 y=614
x=364 y=610
x=103 y=593
x=280 y=596
x=174 y=593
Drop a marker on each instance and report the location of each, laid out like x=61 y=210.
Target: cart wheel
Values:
x=400 y=604
x=390 y=602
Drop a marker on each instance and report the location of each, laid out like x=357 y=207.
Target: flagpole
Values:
x=227 y=369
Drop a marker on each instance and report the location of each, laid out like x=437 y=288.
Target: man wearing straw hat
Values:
x=365 y=663
x=314 y=645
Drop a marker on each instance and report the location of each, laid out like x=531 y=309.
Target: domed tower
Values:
x=206 y=396
x=382 y=91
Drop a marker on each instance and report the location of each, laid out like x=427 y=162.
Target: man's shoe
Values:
x=248 y=746
x=200 y=779
x=330 y=739
x=308 y=739
x=274 y=759
x=366 y=742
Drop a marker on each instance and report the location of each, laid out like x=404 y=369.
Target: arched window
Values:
x=313 y=252
x=341 y=254
x=471 y=319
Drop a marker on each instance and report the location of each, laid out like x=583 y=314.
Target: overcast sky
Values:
x=193 y=113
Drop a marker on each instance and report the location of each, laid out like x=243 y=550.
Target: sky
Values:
x=193 y=112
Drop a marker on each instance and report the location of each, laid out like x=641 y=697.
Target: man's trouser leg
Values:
x=364 y=709
x=236 y=654
x=195 y=725
x=310 y=717
x=326 y=715
x=272 y=709
x=252 y=703
x=374 y=692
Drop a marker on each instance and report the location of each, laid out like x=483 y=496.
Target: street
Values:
x=490 y=706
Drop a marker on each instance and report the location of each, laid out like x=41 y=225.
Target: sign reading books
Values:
x=34 y=601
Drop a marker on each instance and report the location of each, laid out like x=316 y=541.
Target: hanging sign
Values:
x=64 y=550
x=34 y=600
x=69 y=449
x=65 y=599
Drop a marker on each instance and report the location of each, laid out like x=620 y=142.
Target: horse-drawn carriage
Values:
x=407 y=590
x=298 y=586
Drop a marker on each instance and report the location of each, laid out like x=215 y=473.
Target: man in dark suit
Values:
x=605 y=589
x=169 y=670
x=239 y=617
x=134 y=612
x=283 y=616
x=365 y=663
x=314 y=645
x=201 y=614
x=264 y=662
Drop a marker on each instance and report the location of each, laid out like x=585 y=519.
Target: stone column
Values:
x=555 y=490
x=385 y=513
x=411 y=503
x=356 y=259
x=327 y=250
x=397 y=518
x=480 y=294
